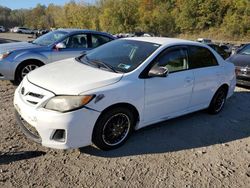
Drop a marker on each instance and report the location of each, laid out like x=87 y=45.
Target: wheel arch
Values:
x=36 y=61
x=224 y=86
x=123 y=105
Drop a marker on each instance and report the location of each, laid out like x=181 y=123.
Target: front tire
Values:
x=218 y=101
x=113 y=128
x=24 y=69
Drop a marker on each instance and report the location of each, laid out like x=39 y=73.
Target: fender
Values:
x=26 y=55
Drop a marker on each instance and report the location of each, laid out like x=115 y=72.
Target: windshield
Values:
x=121 y=55
x=245 y=50
x=49 y=38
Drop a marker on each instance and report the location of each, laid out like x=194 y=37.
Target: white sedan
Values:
x=124 y=85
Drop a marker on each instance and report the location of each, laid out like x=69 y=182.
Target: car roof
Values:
x=163 y=40
x=70 y=30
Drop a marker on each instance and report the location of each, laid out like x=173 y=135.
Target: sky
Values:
x=17 y=4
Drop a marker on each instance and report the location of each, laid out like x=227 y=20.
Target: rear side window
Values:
x=200 y=57
x=98 y=40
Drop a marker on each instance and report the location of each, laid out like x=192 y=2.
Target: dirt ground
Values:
x=197 y=150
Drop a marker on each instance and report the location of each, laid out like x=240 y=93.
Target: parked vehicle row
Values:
x=220 y=50
x=241 y=60
x=102 y=96
x=23 y=30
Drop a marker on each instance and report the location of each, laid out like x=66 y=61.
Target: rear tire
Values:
x=113 y=128
x=218 y=101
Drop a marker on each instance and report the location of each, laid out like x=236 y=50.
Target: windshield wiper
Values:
x=98 y=63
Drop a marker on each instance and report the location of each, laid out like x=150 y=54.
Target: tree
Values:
x=119 y=15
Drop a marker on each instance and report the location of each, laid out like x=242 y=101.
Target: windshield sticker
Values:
x=123 y=66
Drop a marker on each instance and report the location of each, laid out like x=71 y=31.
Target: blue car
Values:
x=19 y=58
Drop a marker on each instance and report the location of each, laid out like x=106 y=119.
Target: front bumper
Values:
x=77 y=125
x=6 y=72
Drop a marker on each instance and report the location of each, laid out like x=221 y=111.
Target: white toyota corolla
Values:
x=127 y=84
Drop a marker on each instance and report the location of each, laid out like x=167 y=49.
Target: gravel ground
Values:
x=14 y=37
x=197 y=150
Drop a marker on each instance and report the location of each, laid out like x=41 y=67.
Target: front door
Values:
x=169 y=95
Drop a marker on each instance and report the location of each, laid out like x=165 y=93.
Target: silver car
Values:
x=24 y=30
x=19 y=58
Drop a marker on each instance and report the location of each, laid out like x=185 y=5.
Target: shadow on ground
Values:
x=191 y=131
x=7 y=158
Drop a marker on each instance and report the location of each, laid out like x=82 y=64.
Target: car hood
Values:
x=17 y=46
x=240 y=60
x=70 y=77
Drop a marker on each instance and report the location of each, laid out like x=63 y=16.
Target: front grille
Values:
x=35 y=95
x=31 y=97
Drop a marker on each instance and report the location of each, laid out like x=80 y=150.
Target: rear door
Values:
x=208 y=75
x=169 y=95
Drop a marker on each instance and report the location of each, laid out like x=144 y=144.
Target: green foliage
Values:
x=161 y=17
x=118 y=15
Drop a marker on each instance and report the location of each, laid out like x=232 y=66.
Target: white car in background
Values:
x=24 y=30
x=2 y=29
x=124 y=85
x=204 y=40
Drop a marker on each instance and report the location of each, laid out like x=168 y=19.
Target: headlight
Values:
x=4 y=55
x=68 y=103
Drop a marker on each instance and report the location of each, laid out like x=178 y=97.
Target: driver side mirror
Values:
x=158 y=71
x=60 y=45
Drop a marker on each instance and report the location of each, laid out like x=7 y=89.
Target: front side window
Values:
x=121 y=55
x=76 y=41
x=200 y=57
x=174 y=60
x=98 y=40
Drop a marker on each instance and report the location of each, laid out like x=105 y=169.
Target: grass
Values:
x=216 y=35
